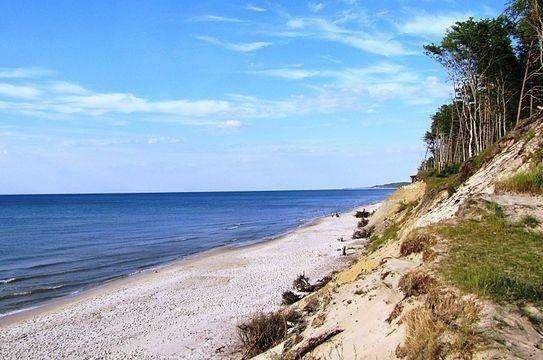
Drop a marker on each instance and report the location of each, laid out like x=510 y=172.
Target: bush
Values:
x=290 y=298
x=363 y=233
x=416 y=243
x=264 y=331
x=530 y=221
x=529 y=181
x=301 y=283
x=362 y=214
x=416 y=283
x=362 y=223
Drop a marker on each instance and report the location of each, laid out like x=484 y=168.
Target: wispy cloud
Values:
x=229 y=124
x=255 y=8
x=24 y=73
x=323 y=29
x=431 y=24
x=315 y=7
x=287 y=73
x=239 y=47
x=18 y=91
x=359 y=89
x=216 y=18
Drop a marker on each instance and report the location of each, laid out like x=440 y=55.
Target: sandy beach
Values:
x=185 y=310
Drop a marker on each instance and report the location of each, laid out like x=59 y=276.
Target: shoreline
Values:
x=22 y=314
x=201 y=278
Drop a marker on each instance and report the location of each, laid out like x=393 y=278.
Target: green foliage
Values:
x=530 y=221
x=377 y=241
x=407 y=206
x=494 y=258
x=528 y=181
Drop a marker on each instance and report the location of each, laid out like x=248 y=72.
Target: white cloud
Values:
x=229 y=124
x=239 y=47
x=18 y=91
x=431 y=24
x=255 y=8
x=323 y=29
x=315 y=7
x=66 y=87
x=349 y=89
x=288 y=73
x=163 y=140
x=23 y=73
x=216 y=18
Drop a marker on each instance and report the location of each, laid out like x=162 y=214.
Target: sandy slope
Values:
x=186 y=310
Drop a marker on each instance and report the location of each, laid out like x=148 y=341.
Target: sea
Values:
x=58 y=245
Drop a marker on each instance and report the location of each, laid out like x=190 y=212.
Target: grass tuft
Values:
x=377 y=241
x=495 y=258
x=416 y=283
x=416 y=243
x=528 y=181
x=530 y=221
x=263 y=331
x=423 y=333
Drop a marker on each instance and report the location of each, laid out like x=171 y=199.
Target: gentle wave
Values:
x=7 y=281
x=30 y=292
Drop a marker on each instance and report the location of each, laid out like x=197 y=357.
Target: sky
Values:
x=147 y=96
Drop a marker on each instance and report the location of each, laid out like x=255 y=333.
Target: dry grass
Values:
x=416 y=283
x=415 y=243
x=263 y=331
x=449 y=307
x=422 y=340
x=444 y=327
x=395 y=312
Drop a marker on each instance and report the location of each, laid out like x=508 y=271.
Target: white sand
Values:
x=187 y=310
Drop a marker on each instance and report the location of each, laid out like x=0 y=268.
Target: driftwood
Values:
x=311 y=344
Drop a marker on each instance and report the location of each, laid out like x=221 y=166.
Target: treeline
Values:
x=496 y=68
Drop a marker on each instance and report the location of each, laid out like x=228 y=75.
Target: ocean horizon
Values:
x=53 y=245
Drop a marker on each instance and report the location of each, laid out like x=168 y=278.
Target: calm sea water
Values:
x=54 y=245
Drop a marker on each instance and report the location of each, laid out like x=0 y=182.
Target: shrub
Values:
x=264 y=331
x=416 y=243
x=321 y=283
x=363 y=233
x=362 y=223
x=364 y=214
x=530 y=221
x=416 y=283
x=528 y=181
x=290 y=298
x=301 y=283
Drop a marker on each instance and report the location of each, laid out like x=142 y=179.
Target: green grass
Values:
x=495 y=258
x=529 y=181
x=376 y=241
x=530 y=221
x=407 y=206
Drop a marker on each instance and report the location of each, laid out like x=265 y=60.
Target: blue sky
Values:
x=128 y=96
